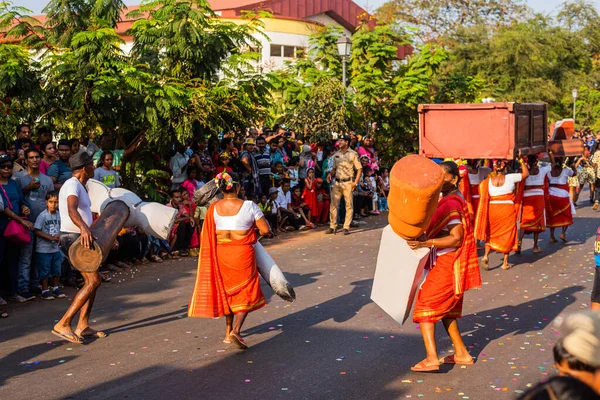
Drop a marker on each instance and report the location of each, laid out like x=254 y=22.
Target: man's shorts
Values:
x=596 y=289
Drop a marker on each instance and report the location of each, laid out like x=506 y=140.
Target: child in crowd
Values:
x=224 y=160
x=191 y=184
x=48 y=255
x=269 y=208
x=190 y=209
x=310 y=195
x=384 y=189
x=300 y=207
x=293 y=172
x=105 y=172
x=323 y=201
x=375 y=198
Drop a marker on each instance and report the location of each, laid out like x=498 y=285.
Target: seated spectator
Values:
x=300 y=207
x=323 y=202
x=268 y=205
x=105 y=172
x=181 y=234
x=289 y=219
x=47 y=251
x=224 y=159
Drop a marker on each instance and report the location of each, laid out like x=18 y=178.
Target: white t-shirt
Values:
x=244 y=219
x=536 y=180
x=508 y=187
x=72 y=187
x=283 y=199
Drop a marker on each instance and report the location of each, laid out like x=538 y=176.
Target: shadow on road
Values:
x=533 y=316
x=23 y=361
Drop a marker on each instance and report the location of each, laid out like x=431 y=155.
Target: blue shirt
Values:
x=60 y=171
x=15 y=195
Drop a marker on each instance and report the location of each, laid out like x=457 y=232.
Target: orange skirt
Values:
x=533 y=217
x=237 y=265
x=437 y=298
x=503 y=227
x=561 y=212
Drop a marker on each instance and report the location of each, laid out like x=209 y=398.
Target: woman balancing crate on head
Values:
x=228 y=282
x=536 y=203
x=562 y=209
x=454 y=271
x=496 y=220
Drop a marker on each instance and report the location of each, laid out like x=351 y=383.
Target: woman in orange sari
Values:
x=562 y=208
x=496 y=221
x=453 y=270
x=227 y=282
x=536 y=203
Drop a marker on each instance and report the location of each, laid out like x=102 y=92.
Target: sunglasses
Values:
x=6 y=166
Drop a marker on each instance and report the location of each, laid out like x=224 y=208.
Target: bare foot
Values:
x=552 y=240
x=506 y=266
x=537 y=250
x=486 y=263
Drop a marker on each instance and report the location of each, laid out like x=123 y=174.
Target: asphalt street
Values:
x=332 y=343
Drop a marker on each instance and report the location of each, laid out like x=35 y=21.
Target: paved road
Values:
x=332 y=343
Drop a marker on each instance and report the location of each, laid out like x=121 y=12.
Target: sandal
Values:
x=422 y=367
x=91 y=333
x=450 y=360
x=564 y=238
x=156 y=259
x=238 y=341
x=68 y=336
x=4 y=315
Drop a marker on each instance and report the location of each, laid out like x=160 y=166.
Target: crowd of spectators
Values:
x=286 y=176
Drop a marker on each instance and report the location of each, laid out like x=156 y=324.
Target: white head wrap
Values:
x=580 y=333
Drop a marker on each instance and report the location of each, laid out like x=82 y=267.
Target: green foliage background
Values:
x=190 y=73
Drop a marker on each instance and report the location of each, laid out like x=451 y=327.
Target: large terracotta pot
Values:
x=415 y=185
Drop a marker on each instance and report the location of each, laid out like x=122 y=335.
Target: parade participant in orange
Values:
x=496 y=220
x=562 y=209
x=455 y=271
x=475 y=175
x=536 y=202
x=228 y=282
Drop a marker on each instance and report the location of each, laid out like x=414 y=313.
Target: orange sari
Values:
x=227 y=280
x=535 y=209
x=496 y=224
x=441 y=295
x=560 y=214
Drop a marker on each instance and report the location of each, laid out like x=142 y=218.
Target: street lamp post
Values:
x=574 y=92
x=344 y=45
